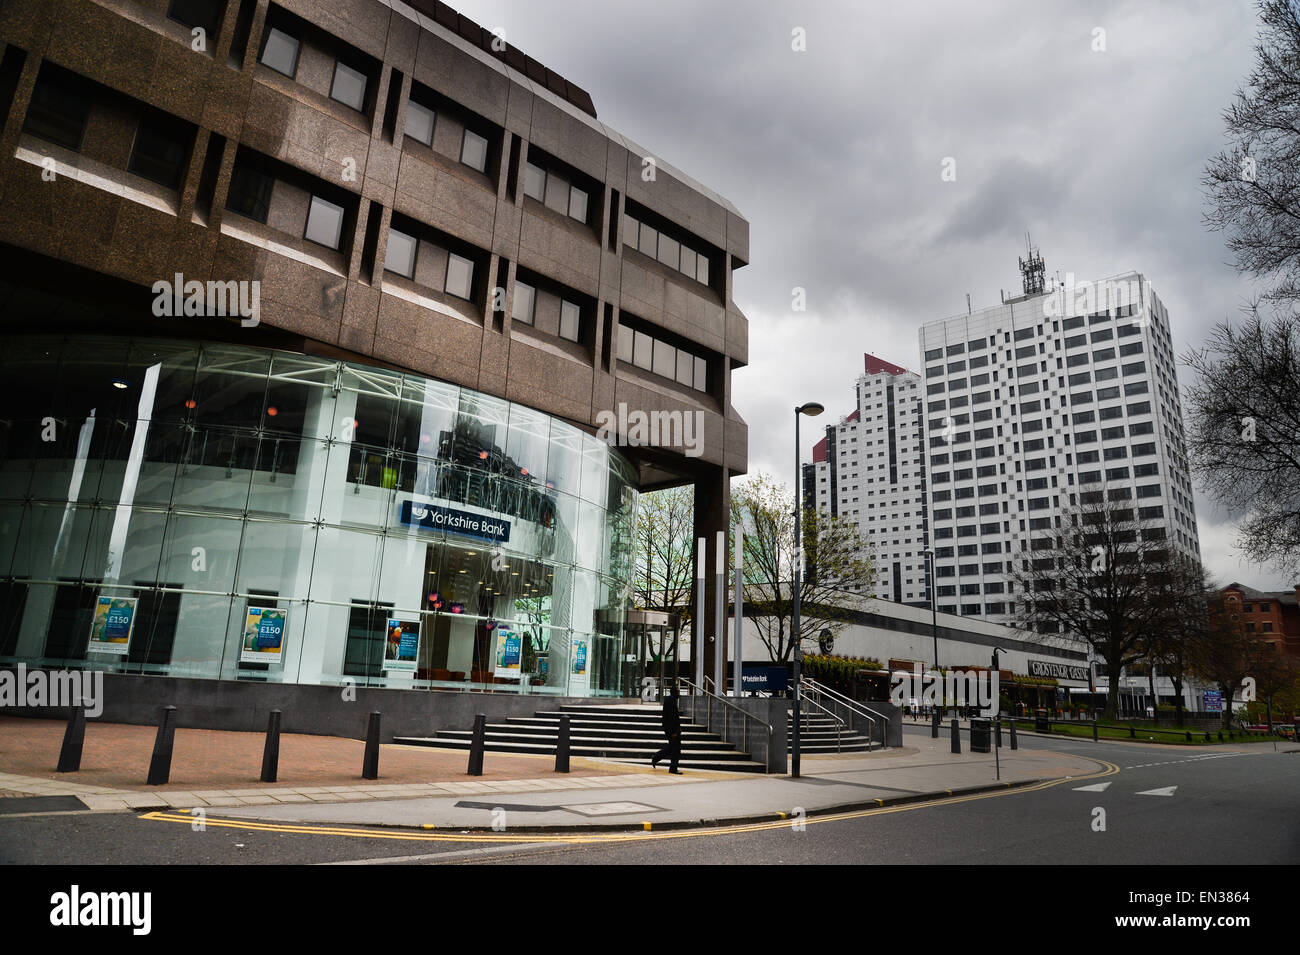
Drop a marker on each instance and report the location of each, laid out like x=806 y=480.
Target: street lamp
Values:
x=934 y=610
x=812 y=409
x=997 y=714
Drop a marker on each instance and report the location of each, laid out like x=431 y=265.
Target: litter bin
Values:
x=1041 y=724
x=980 y=735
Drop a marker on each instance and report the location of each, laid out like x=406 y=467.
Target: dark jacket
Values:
x=672 y=720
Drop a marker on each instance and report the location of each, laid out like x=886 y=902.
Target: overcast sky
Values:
x=834 y=156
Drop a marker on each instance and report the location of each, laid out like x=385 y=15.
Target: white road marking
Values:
x=1097 y=788
x=1163 y=791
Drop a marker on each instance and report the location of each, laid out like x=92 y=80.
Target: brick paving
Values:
x=215 y=767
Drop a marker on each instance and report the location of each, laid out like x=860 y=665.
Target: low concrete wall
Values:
x=313 y=710
x=748 y=735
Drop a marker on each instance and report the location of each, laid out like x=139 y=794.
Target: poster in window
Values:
x=263 y=635
x=401 y=645
x=110 y=629
x=579 y=657
x=510 y=653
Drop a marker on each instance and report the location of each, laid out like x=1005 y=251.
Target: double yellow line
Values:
x=427 y=834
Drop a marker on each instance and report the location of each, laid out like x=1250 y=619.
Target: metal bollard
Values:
x=562 y=747
x=998 y=736
x=1014 y=745
x=73 y=738
x=1094 y=727
x=934 y=725
x=476 y=746
x=271 y=750
x=160 y=766
x=370 y=763
x=956 y=737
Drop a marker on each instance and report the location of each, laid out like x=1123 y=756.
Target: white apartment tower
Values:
x=870 y=469
x=1070 y=385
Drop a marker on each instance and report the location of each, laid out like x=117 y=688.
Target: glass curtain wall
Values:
x=209 y=510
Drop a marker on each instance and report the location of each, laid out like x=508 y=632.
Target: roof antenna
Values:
x=1033 y=271
x=968 y=303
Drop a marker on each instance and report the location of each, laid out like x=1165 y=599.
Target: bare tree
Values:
x=1244 y=411
x=1183 y=592
x=838 y=567
x=1253 y=186
x=1093 y=578
x=1226 y=654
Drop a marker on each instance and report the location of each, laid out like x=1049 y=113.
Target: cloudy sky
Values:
x=834 y=155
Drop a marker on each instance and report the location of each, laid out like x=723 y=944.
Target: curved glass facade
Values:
x=240 y=513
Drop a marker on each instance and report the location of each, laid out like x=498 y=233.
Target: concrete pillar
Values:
x=712 y=514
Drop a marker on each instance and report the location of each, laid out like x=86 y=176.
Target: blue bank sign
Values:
x=765 y=679
x=432 y=517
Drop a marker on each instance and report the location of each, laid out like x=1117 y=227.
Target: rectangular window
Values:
x=460 y=276
x=159 y=152
x=668 y=253
x=701 y=374
x=577 y=204
x=643 y=356
x=324 y=223
x=570 y=321
x=625 y=339
x=685 y=368
x=665 y=360
x=702 y=269
x=419 y=122
x=59 y=107
x=250 y=193
x=689 y=264
x=474 y=150
x=631 y=228
x=349 y=86
x=526 y=303
x=280 y=52
x=400 y=257
x=535 y=182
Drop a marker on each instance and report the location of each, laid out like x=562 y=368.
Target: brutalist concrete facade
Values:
x=77 y=220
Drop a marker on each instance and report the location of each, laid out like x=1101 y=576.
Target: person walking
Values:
x=673 y=730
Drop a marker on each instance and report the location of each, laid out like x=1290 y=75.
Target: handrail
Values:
x=727 y=704
x=852 y=705
x=839 y=723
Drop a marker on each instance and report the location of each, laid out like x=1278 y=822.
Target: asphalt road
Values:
x=1163 y=807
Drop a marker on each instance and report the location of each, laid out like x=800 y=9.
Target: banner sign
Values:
x=766 y=679
x=263 y=635
x=1061 y=671
x=510 y=654
x=110 y=630
x=401 y=645
x=1213 y=701
x=579 y=657
x=433 y=517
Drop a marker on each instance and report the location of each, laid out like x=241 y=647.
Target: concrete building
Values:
x=870 y=469
x=329 y=331
x=1072 y=385
x=1272 y=616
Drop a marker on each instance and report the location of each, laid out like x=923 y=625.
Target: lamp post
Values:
x=997 y=715
x=812 y=409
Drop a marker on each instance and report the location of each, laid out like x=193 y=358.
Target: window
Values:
x=933 y=353
x=669 y=251
x=419 y=122
x=250 y=193
x=644 y=351
x=526 y=300
x=665 y=360
x=578 y=207
x=159 y=152
x=571 y=321
x=324 y=222
x=400 y=257
x=535 y=182
x=349 y=86
x=58 y=110
x=460 y=276
x=625 y=339
x=280 y=52
x=474 y=150
x=685 y=368
x=205 y=14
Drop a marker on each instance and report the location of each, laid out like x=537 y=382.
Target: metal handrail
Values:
x=839 y=723
x=853 y=706
x=727 y=704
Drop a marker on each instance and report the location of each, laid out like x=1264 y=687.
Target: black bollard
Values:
x=271 y=751
x=160 y=766
x=1094 y=727
x=370 y=763
x=562 y=747
x=1013 y=735
x=476 y=746
x=956 y=737
x=73 y=738
x=934 y=725
x=998 y=739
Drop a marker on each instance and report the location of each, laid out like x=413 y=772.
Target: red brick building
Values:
x=1274 y=616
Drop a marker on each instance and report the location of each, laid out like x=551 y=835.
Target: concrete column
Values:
x=712 y=515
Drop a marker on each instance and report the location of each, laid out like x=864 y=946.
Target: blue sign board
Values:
x=434 y=517
x=764 y=679
x=1213 y=701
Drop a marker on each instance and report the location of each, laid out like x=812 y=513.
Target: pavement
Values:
x=426 y=788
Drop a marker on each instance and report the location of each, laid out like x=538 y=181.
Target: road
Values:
x=1161 y=806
